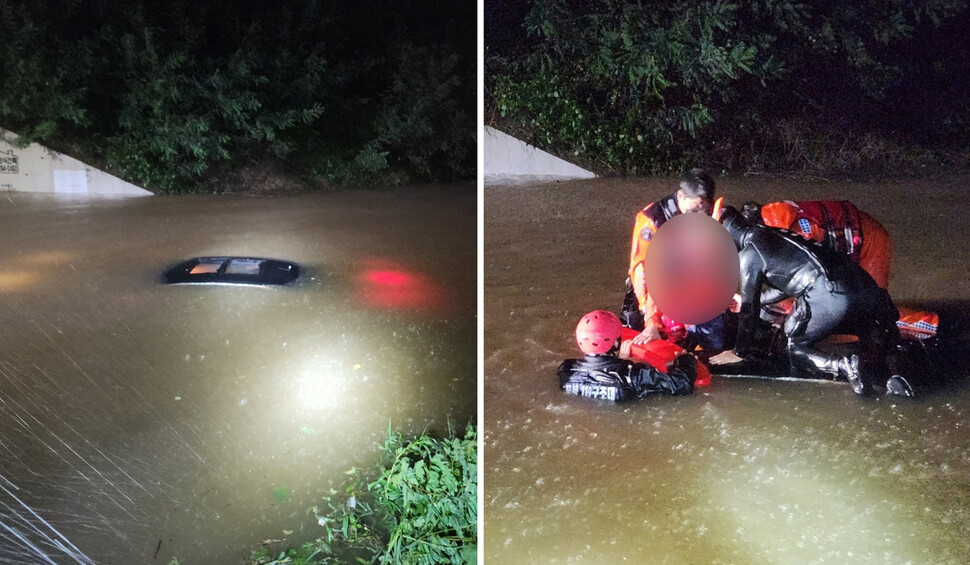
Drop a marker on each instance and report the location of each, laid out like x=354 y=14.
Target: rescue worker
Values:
x=694 y=195
x=601 y=374
x=837 y=224
x=832 y=295
x=841 y=226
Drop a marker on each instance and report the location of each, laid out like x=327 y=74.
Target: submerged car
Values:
x=232 y=270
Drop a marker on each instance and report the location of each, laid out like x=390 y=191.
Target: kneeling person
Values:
x=601 y=374
x=832 y=295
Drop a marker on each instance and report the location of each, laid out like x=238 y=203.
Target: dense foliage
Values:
x=650 y=86
x=171 y=94
x=420 y=507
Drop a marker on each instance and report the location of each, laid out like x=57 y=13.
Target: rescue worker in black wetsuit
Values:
x=601 y=374
x=832 y=295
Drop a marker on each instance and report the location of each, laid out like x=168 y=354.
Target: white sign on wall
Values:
x=9 y=163
x=70 y=182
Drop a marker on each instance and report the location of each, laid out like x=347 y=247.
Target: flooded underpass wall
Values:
x=743 y=471
x=195 y=421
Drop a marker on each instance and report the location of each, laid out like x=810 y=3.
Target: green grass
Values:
x=418 y=506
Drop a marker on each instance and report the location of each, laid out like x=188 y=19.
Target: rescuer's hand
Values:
x=625 y=349
x=650 y=332
x=724 y=358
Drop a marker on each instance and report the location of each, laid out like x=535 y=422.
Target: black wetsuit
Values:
x=833 y=295
x=611 y=378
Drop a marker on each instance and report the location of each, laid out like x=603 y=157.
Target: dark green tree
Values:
x=649 y=86
x=172 y=95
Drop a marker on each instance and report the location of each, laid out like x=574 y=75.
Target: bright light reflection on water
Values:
x=196 y=421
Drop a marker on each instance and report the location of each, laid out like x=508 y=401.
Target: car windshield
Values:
x=232 y=270
x=206 y=267
x=243 y=267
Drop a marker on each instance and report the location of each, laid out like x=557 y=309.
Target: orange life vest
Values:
x=836 y=223
x=917 y=324
x=660 y=354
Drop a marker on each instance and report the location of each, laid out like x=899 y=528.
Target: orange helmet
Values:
x=598 y=331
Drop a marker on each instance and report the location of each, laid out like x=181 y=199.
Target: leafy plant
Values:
x=34 y=94
x=419 y=507
x=181 y=113
x=177 y=96
x=648 y=87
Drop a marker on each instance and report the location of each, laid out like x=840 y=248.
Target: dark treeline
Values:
x=817 y=86
x=181 y=95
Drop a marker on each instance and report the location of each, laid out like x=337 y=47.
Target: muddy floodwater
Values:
x=141 y=422
x=744 y=471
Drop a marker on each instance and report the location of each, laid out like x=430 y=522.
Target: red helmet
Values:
x=598 y=331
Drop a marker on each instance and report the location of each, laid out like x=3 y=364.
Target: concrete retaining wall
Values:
x=36 y=168
x=508 y=160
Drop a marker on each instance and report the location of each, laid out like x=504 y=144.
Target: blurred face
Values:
x=690 y=205
x=692 y=268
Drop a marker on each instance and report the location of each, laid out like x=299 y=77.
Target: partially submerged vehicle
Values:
x=252 y=271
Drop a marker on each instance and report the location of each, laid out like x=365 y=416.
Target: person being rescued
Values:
x=662 y=368
x=832 y=295
x=695 y=194
x=842 y=227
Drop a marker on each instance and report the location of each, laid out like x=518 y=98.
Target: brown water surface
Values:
x=744 y=471
x=141 y=422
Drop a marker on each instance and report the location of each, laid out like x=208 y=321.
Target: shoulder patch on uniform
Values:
x=805 y=226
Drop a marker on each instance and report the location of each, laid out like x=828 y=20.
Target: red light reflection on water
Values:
x=389 y=284
x=389 y=278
